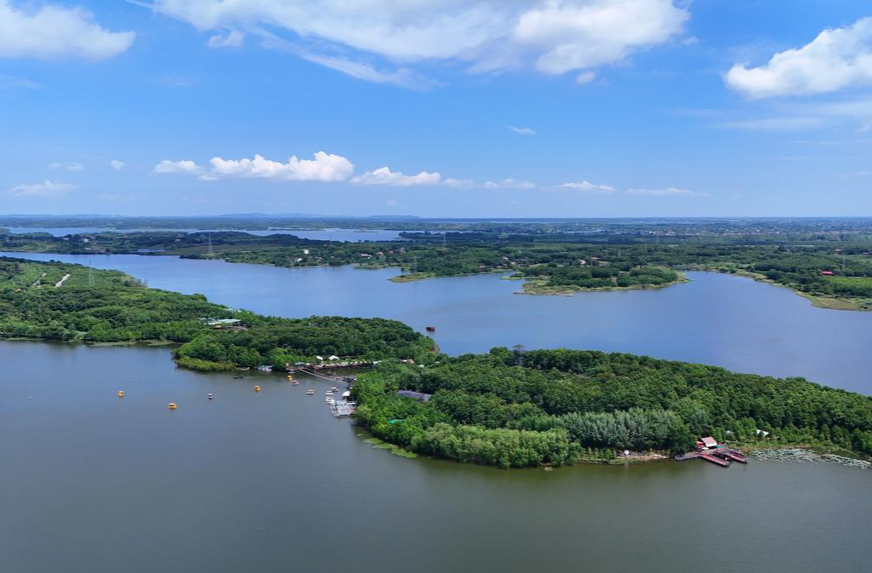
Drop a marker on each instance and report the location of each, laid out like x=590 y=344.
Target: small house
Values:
x=709 y=442
x=419 y=396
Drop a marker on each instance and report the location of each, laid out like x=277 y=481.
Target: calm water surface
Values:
x=270 y=482
x=715 y=319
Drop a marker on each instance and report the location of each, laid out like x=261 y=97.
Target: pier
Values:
x=710 y=451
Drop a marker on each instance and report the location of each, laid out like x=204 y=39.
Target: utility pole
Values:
x=211 y=252
x=415 y=266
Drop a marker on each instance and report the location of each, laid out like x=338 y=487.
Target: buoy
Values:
x=121 y=393
x=257 y=388
x=290 y=378
x=210 y=395
x=173 y=406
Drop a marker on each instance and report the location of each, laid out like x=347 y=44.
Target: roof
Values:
x=709 y=442
x=420 y=396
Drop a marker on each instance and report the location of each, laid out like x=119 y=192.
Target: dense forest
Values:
x=36 y=301
x=518 y=409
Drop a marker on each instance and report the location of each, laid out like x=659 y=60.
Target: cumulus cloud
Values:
x=584 y=35
x=552 y=36
x=232 y=39
x=664 y=192
x=384 y=176
x=324 y=167
x=509 y=183
x=587 y=186
x=47 y=188
x=185 y=167
x=836 y=59
x=523 y=130
x=56 y=32
x=117 y=165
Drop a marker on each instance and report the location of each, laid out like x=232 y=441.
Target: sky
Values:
x=436 y=108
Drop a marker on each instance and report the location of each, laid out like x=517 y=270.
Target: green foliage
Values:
x=119 y=309
x=562 y=404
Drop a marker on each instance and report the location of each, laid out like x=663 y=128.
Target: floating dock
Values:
x=720 y=456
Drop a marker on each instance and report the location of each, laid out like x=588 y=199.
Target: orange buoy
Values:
x=257 y=388
x=210 y=395
x=121 y=393
x=172 y=406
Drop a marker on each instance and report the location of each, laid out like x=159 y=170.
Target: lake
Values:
x=345 y=235
x=718 y=319
x=270 y=482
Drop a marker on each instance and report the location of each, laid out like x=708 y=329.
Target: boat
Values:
x=329 y=392
x=334 y=390
x=310 y=392
x=295 y=383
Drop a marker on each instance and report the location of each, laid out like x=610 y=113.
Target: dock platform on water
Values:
x=721 y=456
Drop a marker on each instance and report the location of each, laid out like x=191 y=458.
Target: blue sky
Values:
x=480 y=108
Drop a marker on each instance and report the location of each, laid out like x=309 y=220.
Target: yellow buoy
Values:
x=290 y=377
x=257 y=388
x=173 y=406
x=121 y=393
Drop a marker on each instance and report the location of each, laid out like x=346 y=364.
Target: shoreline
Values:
x=531 y=286
x=819 y=301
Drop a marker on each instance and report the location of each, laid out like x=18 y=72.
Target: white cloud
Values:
x=458 y=183
x=232 y=39
x=553 y=36
x=774 y=124
x=47 y=188
x=56 y=32
x=664 y=192
x=117 y=165
x=587 y=186
x=523 y=130
x=402 y=77
x=74 y=166
x=12 y=82
x=509 y=183
x=584 y=35
x=384 y=176
x=585 y=78
x=324 y=167
x=836 y=59
x=185 y=166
